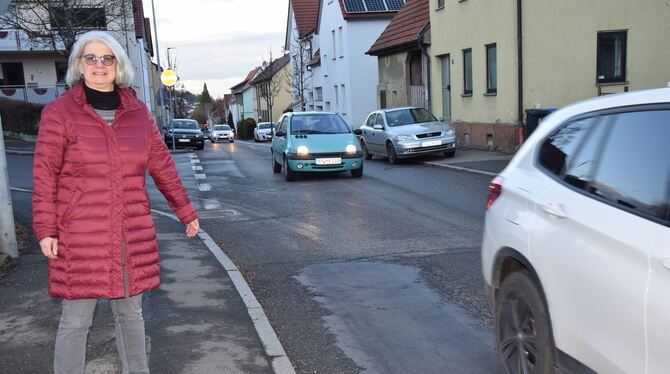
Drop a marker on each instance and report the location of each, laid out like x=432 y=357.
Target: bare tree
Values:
x=268 y=84
x=298 y=76
x=57 y=24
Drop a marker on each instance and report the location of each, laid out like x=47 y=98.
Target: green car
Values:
x=315 y=142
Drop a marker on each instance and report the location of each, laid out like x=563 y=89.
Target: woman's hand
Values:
x=192 y=228
x=49 y=247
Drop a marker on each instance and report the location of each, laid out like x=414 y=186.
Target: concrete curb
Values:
x=273 y=348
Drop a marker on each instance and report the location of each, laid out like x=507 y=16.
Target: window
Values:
x=371 y=120
x=379 y=120
x=562 y=144
x=61 y=71
x=332 y=32
x=341 y=42
x=415 y=73
x=467 y=71
x=79 y=17
x=611 y=64
x=344 y=99
x=491 y=69
x=337 y=98
x=636 y=180
x=581 y=167
x=319 y=93
x=12 y=74
x=440 y=4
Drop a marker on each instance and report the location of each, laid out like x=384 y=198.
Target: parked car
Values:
x=205 y=132
x=316 y=142
x=186 y=134
x=576 y=247
x=406 y=132
x=222 y=132
x=263 y=131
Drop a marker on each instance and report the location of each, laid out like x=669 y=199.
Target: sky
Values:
x=217 y=41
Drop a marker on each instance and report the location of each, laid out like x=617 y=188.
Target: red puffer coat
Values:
x=89 y=191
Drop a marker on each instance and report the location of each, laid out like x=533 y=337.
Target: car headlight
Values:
x=198 y=136
x=450 y=131
x=401 y=138
x=350 y=149
x=302 y=150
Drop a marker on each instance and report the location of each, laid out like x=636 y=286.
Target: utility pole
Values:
x=8 y=243
x=7 y=230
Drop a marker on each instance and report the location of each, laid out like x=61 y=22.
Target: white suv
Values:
x=576 y=248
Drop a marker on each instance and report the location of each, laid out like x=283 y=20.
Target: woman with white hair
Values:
x=91 y=209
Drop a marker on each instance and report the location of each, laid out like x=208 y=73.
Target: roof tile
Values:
x=404 y=27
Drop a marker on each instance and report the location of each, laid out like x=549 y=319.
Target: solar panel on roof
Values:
x=375 y=5
x=354 y=6
x=395 y=4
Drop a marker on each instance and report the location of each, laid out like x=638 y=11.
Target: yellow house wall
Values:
x=560 y=52
x=283 y=99
x=474 y=24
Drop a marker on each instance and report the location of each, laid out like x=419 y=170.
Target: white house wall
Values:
x=349 y=75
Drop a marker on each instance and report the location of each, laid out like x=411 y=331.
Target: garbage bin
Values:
x=533 y=119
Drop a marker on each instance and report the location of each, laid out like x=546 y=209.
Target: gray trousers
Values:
x=75 y=321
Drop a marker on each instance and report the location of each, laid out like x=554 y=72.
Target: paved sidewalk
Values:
x=198 y=321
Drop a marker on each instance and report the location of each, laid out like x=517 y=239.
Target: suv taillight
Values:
x=495 y=189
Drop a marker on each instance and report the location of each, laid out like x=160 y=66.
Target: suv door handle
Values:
x=555 y=210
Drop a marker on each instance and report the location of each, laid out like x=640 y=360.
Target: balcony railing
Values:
x=32 y=93
x=17 y=40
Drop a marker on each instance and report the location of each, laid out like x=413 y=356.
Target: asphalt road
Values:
x=373 y=275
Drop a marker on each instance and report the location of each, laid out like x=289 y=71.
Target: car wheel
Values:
x=390 y=153
x=211 y=140
x=366 y=153
x=522 y=328
x=232 y=140
x=256 y=139
x=276 y=167
x=201 y=147
x=289 y=174
x=357 y=173
x=449 y=154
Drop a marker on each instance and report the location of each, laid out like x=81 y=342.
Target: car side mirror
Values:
x=280 y=133
x=358 y=131
x=378 y=127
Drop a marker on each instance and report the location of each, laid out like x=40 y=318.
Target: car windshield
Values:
x=264 y=125
x=191 y=125
x=408 y=116
x=318 y=124
x=221 y=127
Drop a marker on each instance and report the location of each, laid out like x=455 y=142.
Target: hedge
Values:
x=245 y=129
x=20 y=116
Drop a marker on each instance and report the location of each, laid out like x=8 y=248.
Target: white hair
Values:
x=124 y=69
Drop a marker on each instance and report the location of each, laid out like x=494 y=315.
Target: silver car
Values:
x=222 y=132
x=406 y=132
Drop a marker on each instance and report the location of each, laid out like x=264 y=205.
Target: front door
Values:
x=446 y=88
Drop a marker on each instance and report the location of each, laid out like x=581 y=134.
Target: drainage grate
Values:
x=219 y=213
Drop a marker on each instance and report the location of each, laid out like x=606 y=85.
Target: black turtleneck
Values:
x=102 y=100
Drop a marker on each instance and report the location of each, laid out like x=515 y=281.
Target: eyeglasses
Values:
x=107 y=60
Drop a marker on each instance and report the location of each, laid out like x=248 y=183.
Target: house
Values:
x=272 y=91
x=244 y=95
x=300 y=43
x=346 y=79
x=520 y=55
x=33 y=66
x=403 y=58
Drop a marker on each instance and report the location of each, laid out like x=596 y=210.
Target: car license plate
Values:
x=184 y=140
x=328 y=161
x=431 y=143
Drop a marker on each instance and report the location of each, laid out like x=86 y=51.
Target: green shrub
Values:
x=245 y=129
x=20 y=116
